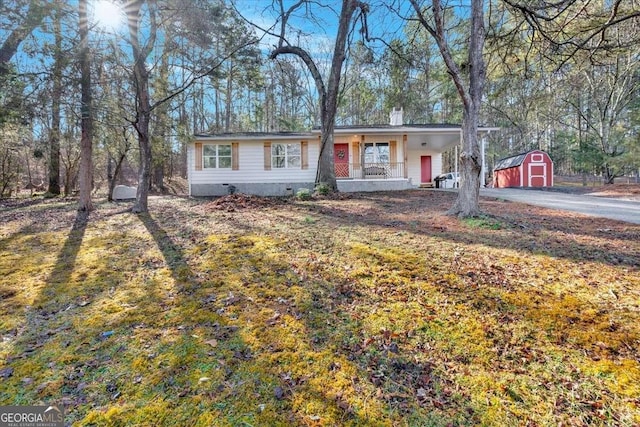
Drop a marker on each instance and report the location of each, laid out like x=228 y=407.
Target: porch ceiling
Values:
x=433 y=141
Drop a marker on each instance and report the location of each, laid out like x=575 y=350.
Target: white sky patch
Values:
x=107 y=15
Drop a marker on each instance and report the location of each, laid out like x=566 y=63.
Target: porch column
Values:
x=362 y=155
x=456 y=154
x=405 y=156
x=483 y=166
x=456 y=160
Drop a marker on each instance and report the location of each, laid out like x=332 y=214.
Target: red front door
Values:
x=425 y=169
x=341 y=159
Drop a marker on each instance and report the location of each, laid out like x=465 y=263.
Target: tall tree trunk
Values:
x=143 y=102
x=229 y=98
x=468 y=202
x=161 y=123
x=328 y=94
x=56 y=95
x=158 y=175
x=329 y=103
x=86 y=139
x=470 y=93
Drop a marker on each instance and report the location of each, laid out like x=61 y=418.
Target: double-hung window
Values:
x=286 y=155
x=376 y=152
x=216 y=156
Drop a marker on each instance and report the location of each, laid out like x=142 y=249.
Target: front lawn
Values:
x=372 y=309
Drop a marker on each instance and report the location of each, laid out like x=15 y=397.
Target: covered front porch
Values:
x=372 y=170
x=373 y=176
x=412 y=154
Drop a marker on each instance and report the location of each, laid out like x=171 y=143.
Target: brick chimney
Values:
x=395 y=117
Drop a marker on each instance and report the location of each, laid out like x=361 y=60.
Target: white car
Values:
x=450 y=180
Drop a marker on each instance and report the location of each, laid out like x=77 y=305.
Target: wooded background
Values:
x=208 y=71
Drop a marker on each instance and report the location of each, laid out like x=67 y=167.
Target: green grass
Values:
x=483 y=222
x=374 y=310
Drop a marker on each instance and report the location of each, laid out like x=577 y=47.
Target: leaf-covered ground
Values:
x=373 y=309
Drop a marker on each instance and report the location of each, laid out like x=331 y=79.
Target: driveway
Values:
x=621 y=210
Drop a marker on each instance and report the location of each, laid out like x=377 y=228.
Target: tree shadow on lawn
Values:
x=512 y=328
x=8 y=205
x=110 y=330
x=258 y=315
x=538 y=231
x=307 y=321
x=549 y=311
x=87 y=323
x=41 y=325
x=269 y=358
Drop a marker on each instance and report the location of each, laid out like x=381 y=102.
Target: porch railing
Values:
x=370 y=170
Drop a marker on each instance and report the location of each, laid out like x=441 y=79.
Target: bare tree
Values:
x=143 y=100
x=328 y=93
x=205 y=66
x=56 y=95
x=469 y=81
x=86 y=120
x=573 y=26
x=121 y=151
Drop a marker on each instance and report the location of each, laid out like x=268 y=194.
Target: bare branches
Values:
x=35 y=14
x=306 y=58
x=572 y=26
x=284 y=19
x=200 y=76
x=438 y=33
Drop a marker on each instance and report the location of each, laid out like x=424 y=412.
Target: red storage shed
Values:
x=531 y=169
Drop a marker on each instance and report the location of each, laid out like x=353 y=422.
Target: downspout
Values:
x=483 y=164
x=190 y=164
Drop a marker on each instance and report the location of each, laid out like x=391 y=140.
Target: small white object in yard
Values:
x=123 y=192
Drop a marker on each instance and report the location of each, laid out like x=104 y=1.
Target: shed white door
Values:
x=537 y=174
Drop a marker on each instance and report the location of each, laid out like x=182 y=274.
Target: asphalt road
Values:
x=621 y=210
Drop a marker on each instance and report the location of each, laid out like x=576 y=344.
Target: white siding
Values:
x=251 y=165
x=414 y=167
x=342 y=139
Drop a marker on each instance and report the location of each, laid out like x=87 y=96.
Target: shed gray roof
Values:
x=511 y=162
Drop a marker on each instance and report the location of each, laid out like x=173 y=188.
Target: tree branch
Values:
x=306 y=58
x=438 y=33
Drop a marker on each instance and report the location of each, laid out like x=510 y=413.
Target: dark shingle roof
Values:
x=511 y=162
x=407 y=125
x=250 y=134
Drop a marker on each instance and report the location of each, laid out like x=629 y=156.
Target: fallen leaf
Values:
x=6 y=372
x=274 y=319
x=278 y=392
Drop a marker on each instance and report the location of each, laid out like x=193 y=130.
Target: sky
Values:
x=317 y=25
